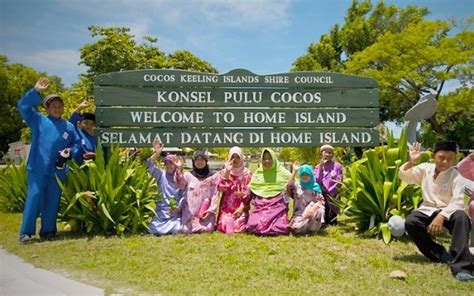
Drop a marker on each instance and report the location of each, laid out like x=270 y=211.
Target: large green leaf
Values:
x=13 y=187
x=106 y=213
x=373 y=189
x=386 y=234
x=124 y=200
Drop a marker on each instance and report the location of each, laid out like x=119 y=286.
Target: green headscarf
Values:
x=269 y=183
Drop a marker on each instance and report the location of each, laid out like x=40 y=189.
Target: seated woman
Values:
x=270 y=208
x=168 y=209
x=201 y=196
x=328 y=173
x=235 y=204
x=308 y=212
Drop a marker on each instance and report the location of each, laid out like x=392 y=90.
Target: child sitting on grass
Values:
x=308 y=213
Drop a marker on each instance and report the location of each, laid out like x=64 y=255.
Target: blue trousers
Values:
x=42 y=200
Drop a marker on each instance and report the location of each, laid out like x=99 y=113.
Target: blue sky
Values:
x=264 y=36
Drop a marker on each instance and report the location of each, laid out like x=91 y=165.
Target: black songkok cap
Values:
x=88 y=116
x=446 y=146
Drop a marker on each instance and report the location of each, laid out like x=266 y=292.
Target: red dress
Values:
x=230 y=202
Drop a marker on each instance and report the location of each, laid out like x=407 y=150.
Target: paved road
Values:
x=20 y=278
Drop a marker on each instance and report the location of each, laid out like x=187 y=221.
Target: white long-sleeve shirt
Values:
x=445 y=193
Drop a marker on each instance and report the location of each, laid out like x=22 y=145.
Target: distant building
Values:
x=17 y=151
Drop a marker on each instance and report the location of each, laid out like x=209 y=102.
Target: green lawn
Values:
x=335 y=262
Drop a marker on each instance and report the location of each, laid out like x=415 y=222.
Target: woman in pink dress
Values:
x=200 y=197
x=269 y=215
x=235 y=203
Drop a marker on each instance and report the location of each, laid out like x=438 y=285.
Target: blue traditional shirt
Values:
x=87 y=142
x=49 y=135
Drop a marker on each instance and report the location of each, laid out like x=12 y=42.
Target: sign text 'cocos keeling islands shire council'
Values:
x=183 y=108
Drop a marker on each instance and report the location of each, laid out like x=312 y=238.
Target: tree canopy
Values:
x=455 y=116
x=117 y=50
x=364 y=23
x=15 y=79
x=408 y=55
x=410 y=64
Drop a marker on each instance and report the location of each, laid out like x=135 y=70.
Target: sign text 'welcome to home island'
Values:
x=183 y=108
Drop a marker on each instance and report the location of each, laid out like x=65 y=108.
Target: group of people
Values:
x=257 y=203
x=235 y=200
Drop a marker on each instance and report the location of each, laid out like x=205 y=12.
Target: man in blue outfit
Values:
x=50 y=137
x=84 y=124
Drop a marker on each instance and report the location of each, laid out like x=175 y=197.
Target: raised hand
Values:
x=42 y=84
x=228 y=166
x=296 y=165
x=83 y=105
x=414 y=151
x=158 y=146
x=178 y=161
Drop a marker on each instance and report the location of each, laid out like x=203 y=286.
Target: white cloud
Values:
x=138 y=28
x=62 y=62
x=194 y=24
x=244 y=13
x=168 y=44
x=197 y=25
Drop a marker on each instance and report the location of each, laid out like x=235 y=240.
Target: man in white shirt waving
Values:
x=443 y=205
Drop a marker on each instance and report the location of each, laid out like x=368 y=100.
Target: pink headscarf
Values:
x=240 y=170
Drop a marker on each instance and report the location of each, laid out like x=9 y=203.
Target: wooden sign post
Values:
x=239 y=108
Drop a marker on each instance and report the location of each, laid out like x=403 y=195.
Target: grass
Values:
x=336 y=261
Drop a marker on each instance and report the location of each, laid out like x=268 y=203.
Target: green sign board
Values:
x=241 y=137
x=183 y=108
x=235 y=97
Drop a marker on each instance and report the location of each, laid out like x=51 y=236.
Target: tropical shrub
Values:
x=13 y=188
x=372 y=190
x=312 y=155
x=112 y=196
